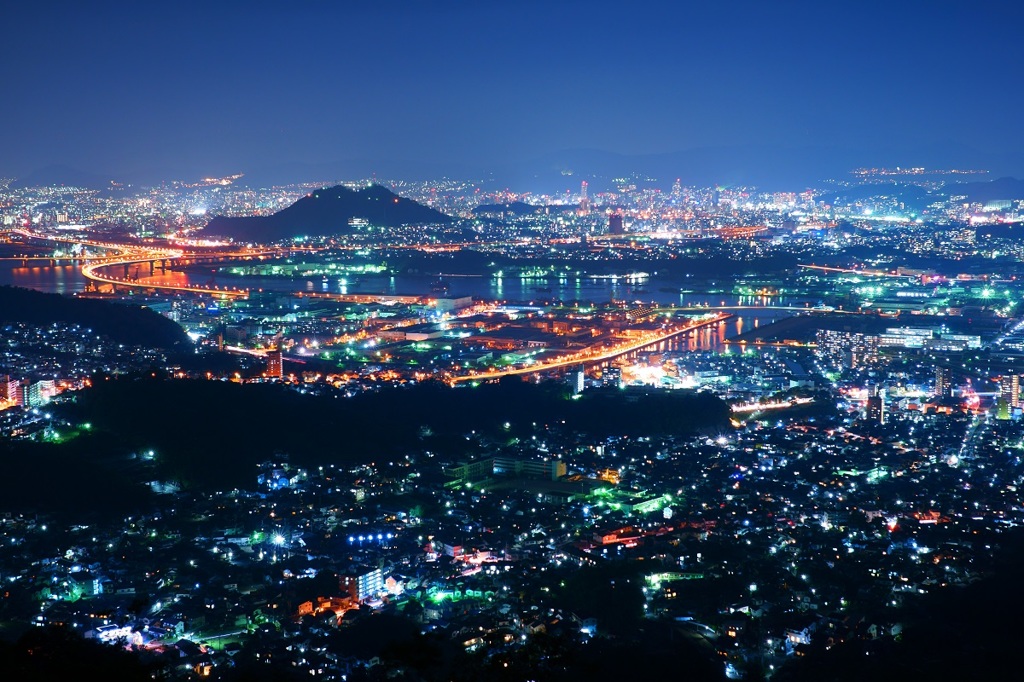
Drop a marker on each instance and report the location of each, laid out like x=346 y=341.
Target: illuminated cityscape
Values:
x=856 y=348
x=379 y=384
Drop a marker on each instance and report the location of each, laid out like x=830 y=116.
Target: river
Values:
x=758 y=311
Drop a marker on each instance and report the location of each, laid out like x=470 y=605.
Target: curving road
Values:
x=130 y=254
x=586 y=357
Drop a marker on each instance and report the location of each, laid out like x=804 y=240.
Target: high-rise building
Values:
x=578 y=380
x=611 y=376
x=275 y=364
x=362 y=583
x=943 y=387
x=584 y=199
x=677 y=190
x=1009 y=390
x=876 y=406
x=846 y=349
x=10 y=390
x=615 y=224
x=31 y=394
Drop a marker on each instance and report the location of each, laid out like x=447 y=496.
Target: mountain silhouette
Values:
x=1003 y=189
x=327 y=212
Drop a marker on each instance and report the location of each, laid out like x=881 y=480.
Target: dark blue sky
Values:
x=220 y=87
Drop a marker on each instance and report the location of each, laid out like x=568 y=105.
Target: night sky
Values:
x=194 y=89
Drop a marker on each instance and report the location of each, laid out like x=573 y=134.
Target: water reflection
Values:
x=59 y=279
x=67 y=279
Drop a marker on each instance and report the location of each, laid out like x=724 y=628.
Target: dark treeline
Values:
x=127 y=324
x=954 y=633
x=59 y=653
x=211 y=434
x=85 y=479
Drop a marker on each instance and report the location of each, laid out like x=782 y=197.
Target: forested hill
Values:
x=327 y=212
x=121 y=323
x=196 y=425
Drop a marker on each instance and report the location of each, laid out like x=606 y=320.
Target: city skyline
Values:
x=797 y=91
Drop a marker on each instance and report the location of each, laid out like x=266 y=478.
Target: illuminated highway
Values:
x=776 y=405
x=55 y=259
x=28 y=234
x=851 y=271
x=89 y=270
x=591 y=357
x=129 y=254
x=706 y=308
x=771 y=344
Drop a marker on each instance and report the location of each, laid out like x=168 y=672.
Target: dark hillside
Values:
x=127 y=324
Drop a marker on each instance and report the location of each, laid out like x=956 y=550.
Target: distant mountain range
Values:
x=915 y=198
x=327 y=212
x=1003 y=189
x=765 y=166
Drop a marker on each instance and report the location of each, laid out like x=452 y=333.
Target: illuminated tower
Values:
x=584 y=199
x=677 y=190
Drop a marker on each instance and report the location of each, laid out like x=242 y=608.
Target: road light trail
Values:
x=585 y=358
